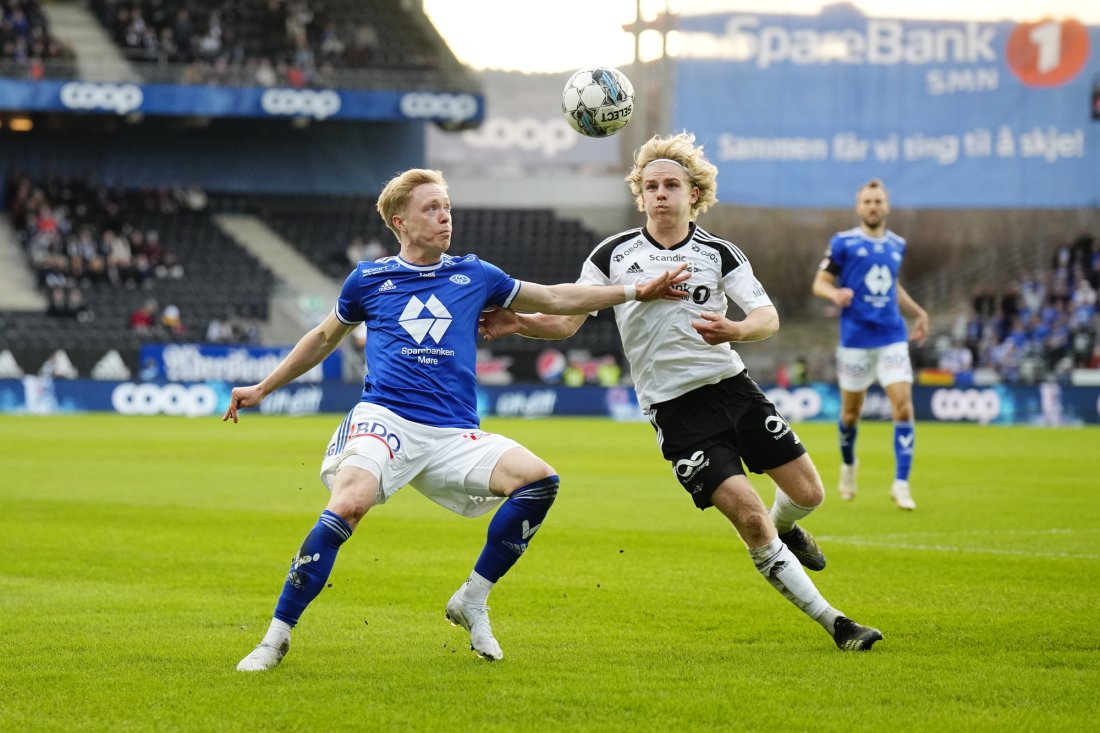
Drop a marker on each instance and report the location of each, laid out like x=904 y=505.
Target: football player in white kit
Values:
x=416 y=422
x=859 y=275
x=712 y=420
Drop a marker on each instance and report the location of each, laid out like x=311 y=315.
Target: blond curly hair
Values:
x=681 y=148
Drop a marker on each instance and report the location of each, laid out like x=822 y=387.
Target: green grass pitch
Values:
x=143 y=557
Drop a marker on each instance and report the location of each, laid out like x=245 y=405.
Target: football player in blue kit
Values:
x=713 y=422
x=416 y=422
x=859 y=275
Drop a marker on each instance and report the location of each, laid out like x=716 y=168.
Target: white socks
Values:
x=277 y=633
x=785 y=512
x=477 y=589
x=781 y=568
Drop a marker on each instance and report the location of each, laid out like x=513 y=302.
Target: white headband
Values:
x=665 y=160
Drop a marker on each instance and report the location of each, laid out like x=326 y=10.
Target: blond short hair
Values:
x=873 y=183
x=679 y=148
x=394 y=198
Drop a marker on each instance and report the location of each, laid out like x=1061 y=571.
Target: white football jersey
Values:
x=667 y=356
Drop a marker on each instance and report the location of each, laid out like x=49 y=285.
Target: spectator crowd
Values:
x=80 y=235
x=1043 y=324
x=25 y=39
x=267 y=43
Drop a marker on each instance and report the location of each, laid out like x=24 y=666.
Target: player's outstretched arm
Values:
x=501 y=322
x=569 y=299
x=310 y=351
x=758 y=325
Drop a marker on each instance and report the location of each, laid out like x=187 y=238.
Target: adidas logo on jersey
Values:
x=635 y=269
x=387 y=286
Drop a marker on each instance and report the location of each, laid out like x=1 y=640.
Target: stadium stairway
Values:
x=303 y=295
x=17 y=281
x=97 y=56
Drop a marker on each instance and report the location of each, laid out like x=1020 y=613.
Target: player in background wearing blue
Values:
x=859 y=275
x=711 y=418
x=417 y=422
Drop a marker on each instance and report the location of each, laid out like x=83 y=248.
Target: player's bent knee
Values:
x=355 y=492
x=755 y=528
x=518 y=468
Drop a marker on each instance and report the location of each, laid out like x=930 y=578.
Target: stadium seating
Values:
x=298 y=43
x=209 y=276
x=28 y=50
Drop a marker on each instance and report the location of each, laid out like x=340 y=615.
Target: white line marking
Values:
x=862 y=542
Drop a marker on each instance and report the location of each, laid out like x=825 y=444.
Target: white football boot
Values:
x=264 y=657
x=900 y=492
x=474 y=617
x=847 y=485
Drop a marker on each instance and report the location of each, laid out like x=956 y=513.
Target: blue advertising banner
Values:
x=213 y=101
x=236 y=364
x=1045 y=404
x=802 y=110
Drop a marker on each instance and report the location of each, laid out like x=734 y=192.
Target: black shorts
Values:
x=709 y=432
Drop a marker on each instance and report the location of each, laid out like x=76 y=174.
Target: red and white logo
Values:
x=1047 y=53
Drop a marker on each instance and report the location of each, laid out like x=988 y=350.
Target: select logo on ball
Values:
x=598 y=102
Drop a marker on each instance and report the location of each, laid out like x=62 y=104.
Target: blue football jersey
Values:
x=869 y=266
x=422 y=333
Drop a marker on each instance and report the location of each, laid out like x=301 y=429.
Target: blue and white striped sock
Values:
x=514 y=525
x=311 y=567
x=905 y=439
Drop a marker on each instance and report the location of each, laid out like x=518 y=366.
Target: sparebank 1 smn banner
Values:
x=801 y=110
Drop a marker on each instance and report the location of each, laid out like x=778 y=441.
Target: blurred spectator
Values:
x=59 y=303
x=360 y=251
x=69 y=303
x=957 y=358
x=798 y=372
x=233 y=329
x=171 y=322
x=78 y=309
x=144 y=318
x=265 y=74
x=609 y=373
x=782 y=375
x=194 y=198
x=332 y=45
x=218 y=332
x=1094 y=358
x=356 y=251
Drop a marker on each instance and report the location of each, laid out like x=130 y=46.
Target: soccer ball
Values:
x=598 y=102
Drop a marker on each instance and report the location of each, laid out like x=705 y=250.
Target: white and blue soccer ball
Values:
x=598 y=102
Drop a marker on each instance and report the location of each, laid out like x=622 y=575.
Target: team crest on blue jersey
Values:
x=459 y=279
x=418 y=326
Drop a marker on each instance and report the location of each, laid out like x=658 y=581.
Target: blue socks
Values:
x=848 y=442
x=311 y=567
x=513 y=526
x=904 y=439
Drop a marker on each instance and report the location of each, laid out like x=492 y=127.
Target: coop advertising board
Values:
x=524 y=129
x=1046 y=404
x=801 y=110
x=222 y=101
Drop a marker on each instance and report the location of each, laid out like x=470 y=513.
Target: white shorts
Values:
x=857 y=369
x=450 y=466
